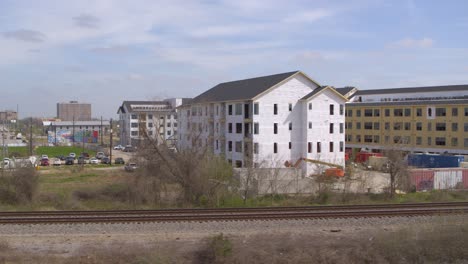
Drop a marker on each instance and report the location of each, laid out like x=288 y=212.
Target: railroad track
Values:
x=232 y=214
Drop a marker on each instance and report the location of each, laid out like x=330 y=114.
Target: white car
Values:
x=93 y=161
x=56 y=162
x=119 y=147
x=73 y=155
x=44 y=157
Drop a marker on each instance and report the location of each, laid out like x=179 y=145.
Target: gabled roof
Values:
x=242 y=89
x=321 y=89
x=347 y=91
x=442 y=88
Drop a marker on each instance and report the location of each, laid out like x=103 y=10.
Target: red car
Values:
x=44 y=162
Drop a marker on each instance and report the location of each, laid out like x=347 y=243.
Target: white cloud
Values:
x=86 y=21
x=308 y=16
x=412 y=43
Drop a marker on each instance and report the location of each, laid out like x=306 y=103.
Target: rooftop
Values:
x=424 y=89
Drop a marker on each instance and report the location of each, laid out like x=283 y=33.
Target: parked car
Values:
x=73 y=155
x=119 y=147
x=69 y=160
x=93 y=161
x=81 y=160
x=100 y=155
x=128 y=148
x=60 y=157
x=105 y=160
x=56 y=162
x=131 y=167
x=119 y=161
x=44 y=157
x=85 y=155
x=44 y=162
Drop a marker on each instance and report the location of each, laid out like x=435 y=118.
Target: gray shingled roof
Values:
x=345 y=90
x=242 y=89
x=314 y=92
x=463 y=87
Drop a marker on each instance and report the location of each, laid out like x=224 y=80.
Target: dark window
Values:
x=256 y=128
x=310 y=125
x=331 y=128
x=368 y=138
x=341 y=128
x=418 y=112
x=429 y=141
x=407 y=112
x=255 y=148
x=376 y=139
x=134 y=117
x=229 y=127
x=332 y=108
x=319 y=147
x=230 y=146
x=368 y=125
x=376 y=112
x=466 y=111
x=358 y=138
x=358 y=113
x=256 y=109
x=418 y=140
x=418 y=126
x=367 y=112
x=376 y=126
x=341 y=146
x=290 y=107
x=407 y=126
x=309 y=147
x=387 y=125
x=454 y=111
x=275 y=109
x=310 y=106
x=454 y=127
x=466 y=127
x=239 y=128
x=440 y=127
x=440 y=141
x=238 y=146
x=331 y=146
x=341 y=109
x=290 y=145
x=397 y=125
x=429 y=112
x=275 y=147
x=397 y=112
x=441 y=111
x=238 y=164
x=387 y=112
x=275 y=128
x=290 y=126
x=358 y=125
x=350 y=113
x=229 y=109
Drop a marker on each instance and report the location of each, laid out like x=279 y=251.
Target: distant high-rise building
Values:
x=73 y=110
x=8 y=115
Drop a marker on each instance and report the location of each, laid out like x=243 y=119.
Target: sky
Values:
x=106 y=51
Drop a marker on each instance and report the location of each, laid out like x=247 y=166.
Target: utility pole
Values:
x=110 y=149
x=102 y=141
x=73 y=129
x=30 y=138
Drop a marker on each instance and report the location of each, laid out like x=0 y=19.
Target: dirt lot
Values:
x=184 y=242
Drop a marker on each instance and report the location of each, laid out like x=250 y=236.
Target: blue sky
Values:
x=106 y=51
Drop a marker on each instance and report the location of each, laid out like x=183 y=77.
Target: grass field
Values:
x=62 y=150
x=17 y=151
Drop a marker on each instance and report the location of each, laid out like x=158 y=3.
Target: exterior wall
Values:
x=288 y=93
x=159 y=125
x=8 y=115
x=321 y=119
x=415 y=129
x=74 y=111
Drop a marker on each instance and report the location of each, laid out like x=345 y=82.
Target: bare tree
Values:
x=398 y=170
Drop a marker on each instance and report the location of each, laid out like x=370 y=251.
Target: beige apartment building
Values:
x=421 y=119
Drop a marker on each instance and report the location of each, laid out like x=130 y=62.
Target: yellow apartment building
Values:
x=421 y=119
